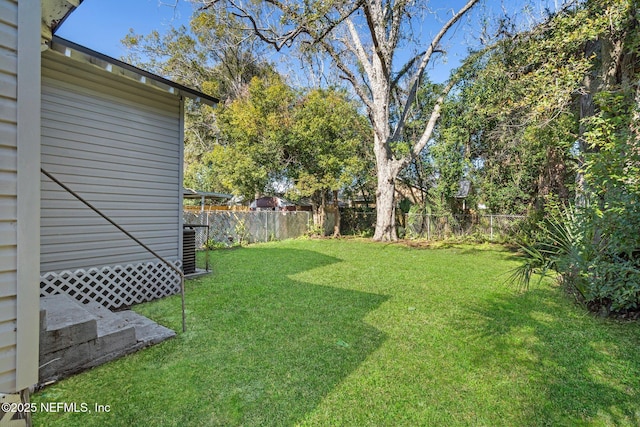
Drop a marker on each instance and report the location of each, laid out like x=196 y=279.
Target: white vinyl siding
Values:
x=116 y=142
x=8 y=193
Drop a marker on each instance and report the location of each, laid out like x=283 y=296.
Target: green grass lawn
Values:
x=355 y=333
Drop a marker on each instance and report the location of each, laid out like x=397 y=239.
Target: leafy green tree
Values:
x=249 y=144
x=595 y=245
x=251 y=153
x=512 y=123
x=611 y=216
x=211 y=55
x=327 y=148
x=419 y=177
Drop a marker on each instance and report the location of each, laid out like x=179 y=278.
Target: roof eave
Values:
x=67 y=48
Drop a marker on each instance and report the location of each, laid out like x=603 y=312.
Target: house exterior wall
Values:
x=8 y=191
x=117 y=143
x=19 y=191
x=118 y=146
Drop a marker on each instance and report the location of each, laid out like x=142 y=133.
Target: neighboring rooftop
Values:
x=188 y=193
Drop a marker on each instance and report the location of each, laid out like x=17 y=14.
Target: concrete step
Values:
x=110 y=323
x=147 y=331
x=76 y=336
x=65 y=322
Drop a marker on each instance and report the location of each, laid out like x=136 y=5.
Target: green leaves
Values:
x=327 y=143
x=596 y=247
x=314 y=142
x=254 y=133
x=518 y=107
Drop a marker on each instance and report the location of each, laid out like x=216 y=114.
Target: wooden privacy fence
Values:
x=233 y=227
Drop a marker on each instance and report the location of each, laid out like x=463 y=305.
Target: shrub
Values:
x=555 y=244
x=589 y=260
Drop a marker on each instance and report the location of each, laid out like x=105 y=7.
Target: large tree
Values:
x=569 y=90
x=327 y=149
x=250 y=153
x=521 y=105
x=363 y=40
x=511 y=120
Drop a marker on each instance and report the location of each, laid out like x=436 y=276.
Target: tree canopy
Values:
x=362 y=41
x=562 y=101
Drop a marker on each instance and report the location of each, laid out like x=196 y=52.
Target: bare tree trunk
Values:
x=364 y=197
x=385 y=203
x=322 y=213
x=635 y=123
x=317 y=208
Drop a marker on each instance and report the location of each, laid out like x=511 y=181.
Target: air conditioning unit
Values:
x=188 y=250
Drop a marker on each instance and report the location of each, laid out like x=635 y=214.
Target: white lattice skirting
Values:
x=114 y=286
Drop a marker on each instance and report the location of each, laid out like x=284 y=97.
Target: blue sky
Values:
x=101 y=24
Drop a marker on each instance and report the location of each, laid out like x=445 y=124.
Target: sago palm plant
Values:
x=558 y=248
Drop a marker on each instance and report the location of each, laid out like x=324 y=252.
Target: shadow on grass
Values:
x=260 y=349
x=573 y=368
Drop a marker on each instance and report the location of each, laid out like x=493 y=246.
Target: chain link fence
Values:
x=357 y=221
x=436 y=227
x=233 y=227
x=440 y=227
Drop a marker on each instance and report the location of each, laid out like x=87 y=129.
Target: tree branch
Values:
x=358 y=49
x=396 y=22
x=435 y=115
x=373 y=24
x=349 y=76
x=415 y=83
x=303 y=26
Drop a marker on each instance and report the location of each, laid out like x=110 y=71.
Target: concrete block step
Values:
x=75 y=337
x=82 y=356
x=147 y=331
x=108 y=322
x=66 y=323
